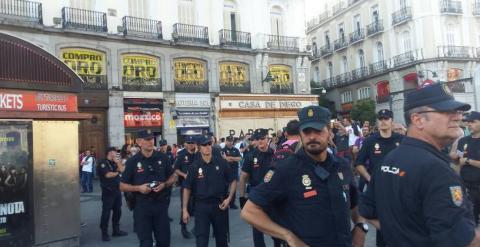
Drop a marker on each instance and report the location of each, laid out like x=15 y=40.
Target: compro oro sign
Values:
x=88 y=64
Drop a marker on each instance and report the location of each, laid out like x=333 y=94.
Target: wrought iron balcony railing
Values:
x=282 y=43
x=329 y=82
x=455 y=51
x=357 y=35
x=343 y=79
x=451 y=7
x=378 y=67
x=326 y=50
x=360 y=73
x=340 y=44
x=23 y=10
x=140 y=85
x=403 y=59
x=375 y=27
x=402 y=15
x=83 y=19
x=147 y=28
x=235 y=38
x=190 y=33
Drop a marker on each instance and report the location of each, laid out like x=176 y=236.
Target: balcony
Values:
x=403 y=59
x=329 y=83
x=343 y=79
x=455 y=51
x=476 y=8
x=326 y=50
x=82 y=19
x=357 y=36
x=235 y=38
x=401 y=16
x=190 y=33
x=139 y=84
x=340 y=44
x=352 y=2
x=478 y=52
x=451 y=7
x=134 y=26
x=378 y=67
x=282 y=43
x=375 y=28
x=359 y=73
x=21 y=10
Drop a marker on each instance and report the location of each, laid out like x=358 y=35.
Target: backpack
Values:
x=283 y=153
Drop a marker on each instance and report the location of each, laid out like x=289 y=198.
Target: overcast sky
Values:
x=312 y=8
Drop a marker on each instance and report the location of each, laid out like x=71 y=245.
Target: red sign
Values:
x=14 y=100
x=137 y=119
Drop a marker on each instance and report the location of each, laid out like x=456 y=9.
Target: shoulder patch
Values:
x=457 y=195
x=268 y=176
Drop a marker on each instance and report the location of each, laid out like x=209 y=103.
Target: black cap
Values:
x=203 y=139
x=229 y=138
x=162 y=142
x=437 y=96
x=145 y=134
x=110 y=149
x=315 y=117
x=472 y=116
x=384 y=114
x=259 y=133
x=189 y=139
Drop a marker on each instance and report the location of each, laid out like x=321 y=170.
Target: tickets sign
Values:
x=13 y=100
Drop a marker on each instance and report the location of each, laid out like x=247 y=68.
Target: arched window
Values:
x=231 y=16
x=329 y=70
x=344 y=64
x=379 y=55
x=361 y=59
x=406 y=42
x=316 y=76
x=186 y=12
x=277 y=21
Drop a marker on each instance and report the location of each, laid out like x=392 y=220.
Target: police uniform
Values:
x=417 y=197
x=151 y=210
x=232 y=152
x=314 y=199
x=470 y=147
x=171 y=161
x=256 y=165
x=207 y=183
x=111 y=198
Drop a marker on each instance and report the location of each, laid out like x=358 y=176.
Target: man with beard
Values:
x=312 y=189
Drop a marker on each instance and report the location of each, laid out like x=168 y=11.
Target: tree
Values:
x=363 y=110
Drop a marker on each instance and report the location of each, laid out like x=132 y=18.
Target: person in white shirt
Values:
x=87 y=172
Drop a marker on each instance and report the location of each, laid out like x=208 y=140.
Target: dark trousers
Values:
x=152 y=217
x=87 y=183
x=111 y=201
x=207 y=214
x=379 y=241
x=189 y=207
x=474 y=196
x=258 y=240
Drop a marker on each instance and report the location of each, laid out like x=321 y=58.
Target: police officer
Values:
x=163 y=148
x=185 y=158
x=109 y=171
x=469 y=159
x=207 y=177
x=312 y=189
x=415 y=195
x=233 y=157
x=257 y=163
x=148 y=174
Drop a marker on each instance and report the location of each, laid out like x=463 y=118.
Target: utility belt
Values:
x=210 y=200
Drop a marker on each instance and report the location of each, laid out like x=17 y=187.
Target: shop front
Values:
x=241 y=114
x=192 y=114
x=142 y=113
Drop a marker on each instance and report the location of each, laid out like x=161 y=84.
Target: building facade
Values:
x=163 y=64
x=376 y=49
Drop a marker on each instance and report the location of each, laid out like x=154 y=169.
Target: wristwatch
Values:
x=363 y=226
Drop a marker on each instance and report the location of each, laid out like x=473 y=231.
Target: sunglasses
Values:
x=206 y=144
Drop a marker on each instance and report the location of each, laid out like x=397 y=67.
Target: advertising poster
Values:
x=141 y=72
x=89 y=64
x=282 y=79
x=234 y=77
x=16 y=218
x=190 y=75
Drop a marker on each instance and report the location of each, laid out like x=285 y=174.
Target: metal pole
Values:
x=475 y=84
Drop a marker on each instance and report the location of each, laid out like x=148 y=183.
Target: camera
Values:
x=153 y=184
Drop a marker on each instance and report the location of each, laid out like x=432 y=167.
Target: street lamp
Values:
x=323 y=90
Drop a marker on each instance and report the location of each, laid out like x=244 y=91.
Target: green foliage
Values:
x=363 y=110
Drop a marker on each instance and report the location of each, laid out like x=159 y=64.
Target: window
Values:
x=375 y=15
x=363 y=93
x=356 y=23
x=330 y=70
x=327 y=39
x=406 y=41
x=231 y=17
x=344 y=64
x=361 y=59
x=276 y=21
x=379 y=52
x=451 y=35
x=316 y=76
x=403 y=4
x=346 y=97
x=83 y=4
x=138 y=8
x=314 y=46
x=341 y=32
x=186 y=13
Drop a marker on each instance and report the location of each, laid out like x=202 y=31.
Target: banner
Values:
x=16 y=218
x=140 y=72
x=190 y=75
x=282 y=79
x=143 y=118
x=16 y=100
x=88 y=64
x=234 y=77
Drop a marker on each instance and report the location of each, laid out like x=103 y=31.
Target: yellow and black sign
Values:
x=234 y=77
x=140 y=71
x=282 y=79
x=89 y=64
x=190 y=75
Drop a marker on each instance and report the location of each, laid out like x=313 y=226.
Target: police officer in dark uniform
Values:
x=149 y=175
x=415 y=197
x=207 y=177
x=184 y=159
x=109 y=171
x=163 y=146
x=374 y=149
x=233 y=157
x=313 y=191
x=256 y=164
x=469 y=159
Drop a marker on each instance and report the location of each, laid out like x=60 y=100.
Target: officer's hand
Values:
x=186 y=216
x=144 y=189
x=294 y=241
x=225 y=204
x=159 y=187
x=462 y=161
x=242 y=201
x=358 y=237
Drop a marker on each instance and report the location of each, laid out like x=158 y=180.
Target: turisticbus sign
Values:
x=17 y=100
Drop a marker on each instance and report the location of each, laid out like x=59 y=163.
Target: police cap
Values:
x=384 y=114
x=145 y=134
x=437 y=96
x=229 y=138
x=190 y=139
x=259 y=133
x=203 y=139
x=162 y=142
x=472 y=116
x=315 y=117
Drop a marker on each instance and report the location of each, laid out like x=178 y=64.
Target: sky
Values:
x=313 y=7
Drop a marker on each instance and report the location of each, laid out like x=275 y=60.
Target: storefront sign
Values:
x=13 y=100
x=234 y=77
x=140 y=70
x=282 y=79
x=142 y=118
x=89 y=64
x=192 y=100
x=454 y=74
x=190 y=75
x=265 y=104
